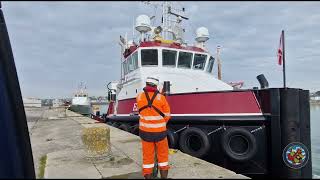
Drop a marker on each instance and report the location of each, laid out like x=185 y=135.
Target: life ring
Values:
x=124 y=127
x=238 y=144
x=172 y=138
x=195 y=142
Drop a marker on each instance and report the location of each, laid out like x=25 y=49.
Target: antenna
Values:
x=126 y=38
x=133 y=29
x=177 y=15
x=219 y=62
x=169 y=26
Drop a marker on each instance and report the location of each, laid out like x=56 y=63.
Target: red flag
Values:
x=280 y=50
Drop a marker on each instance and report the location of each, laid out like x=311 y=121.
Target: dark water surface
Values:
x=315 y=139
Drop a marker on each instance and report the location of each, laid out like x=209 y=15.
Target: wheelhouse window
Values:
x=130 y=64
x=185 y=60
x=149 y=57
x=169 y=58
x=199 y=61
x=124 y=66
x=210 y=65
x=135 y=60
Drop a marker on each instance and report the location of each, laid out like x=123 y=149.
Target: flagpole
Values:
x=284 y=61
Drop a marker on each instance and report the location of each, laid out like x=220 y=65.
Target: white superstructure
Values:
x=189 y=68
x=57 y=103
x=31 y=102
x=81 y=96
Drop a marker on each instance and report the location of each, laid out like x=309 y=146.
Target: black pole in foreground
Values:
x=284 y=61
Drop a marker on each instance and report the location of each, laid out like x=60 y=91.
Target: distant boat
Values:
x=80 y=102
x=57 y=103
x=31 y=102
x=99 y=106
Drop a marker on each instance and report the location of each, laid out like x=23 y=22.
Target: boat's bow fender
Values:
x=239 y=144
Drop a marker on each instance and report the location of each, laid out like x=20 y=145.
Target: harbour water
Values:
x=315 y=139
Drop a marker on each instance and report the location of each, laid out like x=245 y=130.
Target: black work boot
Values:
x=148 y=176
x=164 y=174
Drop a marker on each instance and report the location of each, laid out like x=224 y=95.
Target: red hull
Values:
x=204 y=103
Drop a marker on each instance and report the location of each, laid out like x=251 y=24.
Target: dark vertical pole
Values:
x=15 y=147
x=284 y=60
x=275 y=133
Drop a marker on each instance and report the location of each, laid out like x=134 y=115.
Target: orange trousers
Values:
x=148 y=152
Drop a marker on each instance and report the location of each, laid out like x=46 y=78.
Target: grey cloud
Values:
x=58 y=44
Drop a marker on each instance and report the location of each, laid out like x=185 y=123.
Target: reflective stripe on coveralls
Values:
x=150 y=119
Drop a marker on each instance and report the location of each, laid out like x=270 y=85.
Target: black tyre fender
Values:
x=248 y=142
x=124 y=127
x=193 y=135
x=173 y=138
x=115 y=124
x=135 y=129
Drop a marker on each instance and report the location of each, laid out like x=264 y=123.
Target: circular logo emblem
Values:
x=295 y=155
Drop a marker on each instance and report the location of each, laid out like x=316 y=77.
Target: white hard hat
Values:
x=152 y=80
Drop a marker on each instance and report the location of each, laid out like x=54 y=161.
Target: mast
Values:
x=170 y=25
x=133 y=29
x=219 y=63
x=164 y=19
x=284 y=61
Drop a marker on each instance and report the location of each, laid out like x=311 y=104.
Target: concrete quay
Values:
x=56 y=137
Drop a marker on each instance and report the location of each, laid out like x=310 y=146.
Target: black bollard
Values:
x=295 y=128
x=289 y=129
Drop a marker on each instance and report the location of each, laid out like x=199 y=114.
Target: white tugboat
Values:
x=210 y=119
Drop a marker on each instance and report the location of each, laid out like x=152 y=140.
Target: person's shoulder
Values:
x=139 y=95
x=163 y=97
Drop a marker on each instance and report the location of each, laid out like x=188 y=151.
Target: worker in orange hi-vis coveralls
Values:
x=154 y=112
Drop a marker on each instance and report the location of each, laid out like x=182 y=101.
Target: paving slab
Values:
x=182 y=165
x=124 y=160
x=70 y=164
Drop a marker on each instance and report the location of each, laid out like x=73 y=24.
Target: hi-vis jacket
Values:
x=154 y=112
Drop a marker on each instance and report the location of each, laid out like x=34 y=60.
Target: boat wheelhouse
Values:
x=189 y=69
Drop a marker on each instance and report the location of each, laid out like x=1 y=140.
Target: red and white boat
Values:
x=211 y=119
x=189 y=68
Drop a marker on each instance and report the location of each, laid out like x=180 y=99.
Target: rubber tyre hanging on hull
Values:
x=195 y=142
x=238 y=144
x=115 y=124
x=135 y=130
x=124 y=127
x=173 y=139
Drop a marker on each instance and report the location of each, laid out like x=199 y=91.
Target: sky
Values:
x=57 y=45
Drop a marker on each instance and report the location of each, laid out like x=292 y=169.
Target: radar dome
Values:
x=143 y=23
x=202 y=34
